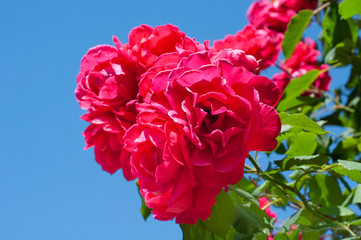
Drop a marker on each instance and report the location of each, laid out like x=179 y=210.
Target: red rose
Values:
x=107 y=87
x=163 y=62
x=303 y=60
x=107 y=79
x=195 y=130
x=263 y=14
x=263 y=44
x=305 y=54
x=298 y=5
x=263 y=201
x=321 y=83
x=147 y=43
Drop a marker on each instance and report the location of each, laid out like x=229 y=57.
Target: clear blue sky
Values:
x=50 y=188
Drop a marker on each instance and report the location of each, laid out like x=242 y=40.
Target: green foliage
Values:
x=357 y=195
x=323 y=190
x=301 y=121
x=290 y=221
x=295 y=30
x=222 y=217
x=289 y=162
x=291 y=96
x=144 y=210
x=217 y=226
x=349 y=8
x=350 y=169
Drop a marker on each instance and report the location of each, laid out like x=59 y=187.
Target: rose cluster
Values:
x=303 y=59
x=262 y=38
x=178 y=115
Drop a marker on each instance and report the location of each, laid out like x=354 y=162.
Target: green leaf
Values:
x=325 y=190
x=337 y=30
x=349 y=8
x=222 y=216
x=218 y=226
x=342 y=52
x=346 y=149
x=251 y=220
x=294 y=235
x=337 y=211
x=289 y=162
x=196 y=231
x=260 y=236
x=348 y=197
x=350 y=169
x=281 y=236
x=295 y=88
x=303 y=144
x=295 y=30
x=245 y=195
x=301 y=121
x=144 y=210
x=311 y=235
x=357 y=196
x=260 y=189
x=290 y=221
x=356 y=222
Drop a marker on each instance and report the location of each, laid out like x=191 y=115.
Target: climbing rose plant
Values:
x=188 y=120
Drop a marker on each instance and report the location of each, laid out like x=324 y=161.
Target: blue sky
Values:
x=50 y=188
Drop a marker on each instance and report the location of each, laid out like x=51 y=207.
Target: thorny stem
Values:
x=248 y=167
x=321 y=8
x=312 y=171
x=346 y=227
x=330 y=67
x=299 y=195
x=338 y=105
x=271 y=203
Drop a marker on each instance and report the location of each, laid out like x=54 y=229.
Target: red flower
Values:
x=195 y=129
x=264 y=14
x=107 y=87
x=263 y=201
x=263 y=44
x=297 y=5
x=305 y=54
x=107 y=79
x=321 y=83
x=303 y=60
x=147 y=43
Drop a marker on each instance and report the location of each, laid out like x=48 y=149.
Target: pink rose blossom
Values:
x=263 y=201
x=263 y=44
x=195 y=129
x=321 y=83
x=297 y=5
x=107 y=79
x=147 y=43
x=305 y=54
x=107 y=88
x=303 y=60
x=264 y=14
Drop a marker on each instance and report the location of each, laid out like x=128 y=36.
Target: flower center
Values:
x=212 y=118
